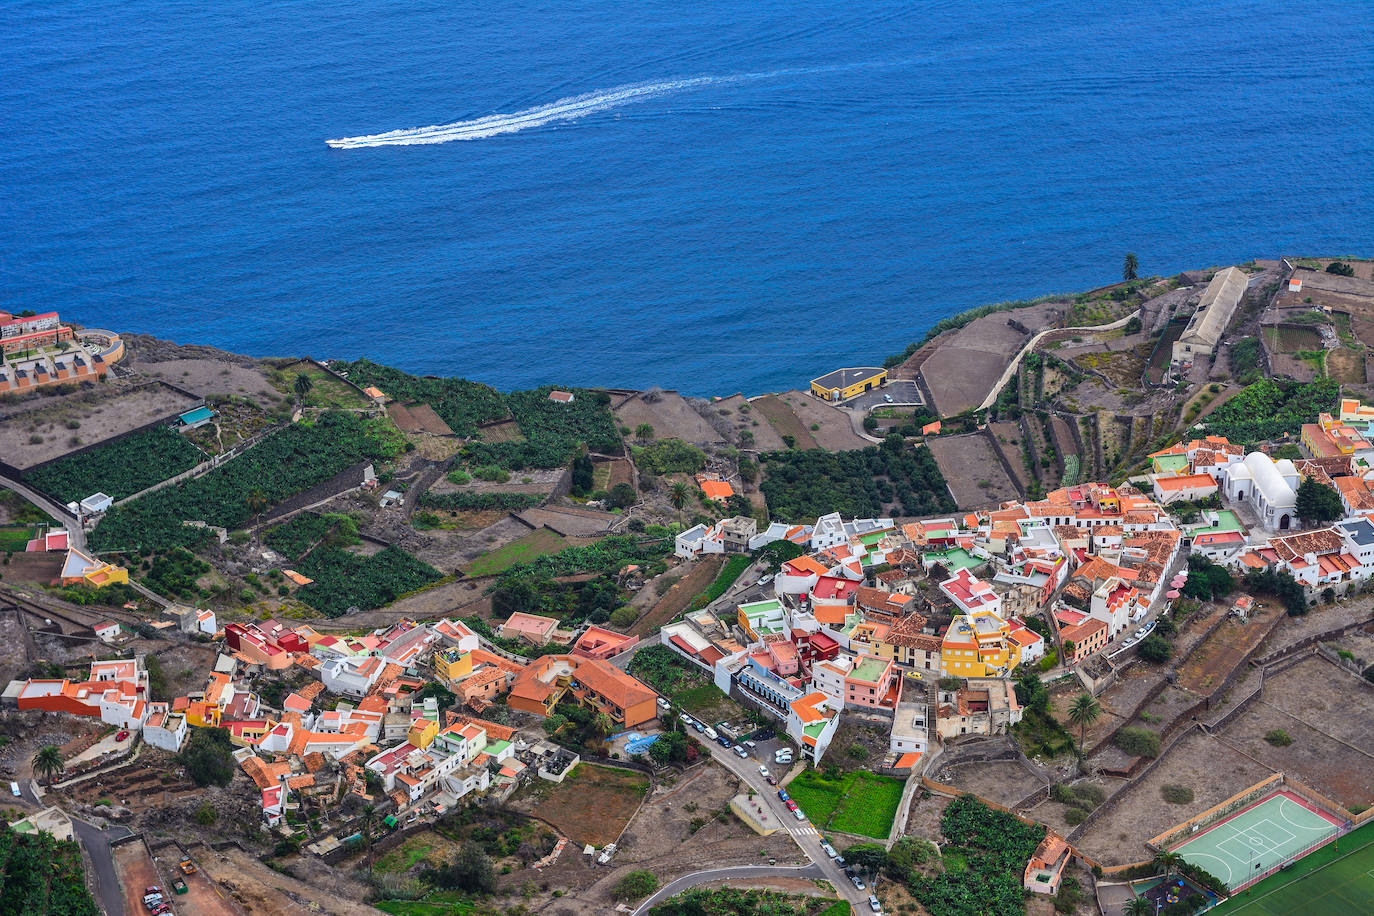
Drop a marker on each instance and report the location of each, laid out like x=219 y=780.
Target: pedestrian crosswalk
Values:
x=803 y=831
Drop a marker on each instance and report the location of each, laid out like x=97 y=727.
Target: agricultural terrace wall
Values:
x=1150 y=696
x=1311 y=641
x=330 y=372
x=203 y=467
x=1215 y=813
x=1137 y=771
x=1217 y=695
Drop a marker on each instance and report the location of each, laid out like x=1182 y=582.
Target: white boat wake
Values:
x=569 y=109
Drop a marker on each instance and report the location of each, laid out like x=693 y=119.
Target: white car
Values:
x=763 y=770
x=662 y=703
x=888 y=398
x=799 y=815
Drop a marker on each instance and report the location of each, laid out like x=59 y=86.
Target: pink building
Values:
x=971 y=593
x=872 y=683
x=598 y=642
x=532 y=628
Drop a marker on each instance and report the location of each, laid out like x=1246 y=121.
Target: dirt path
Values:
x=679 y=595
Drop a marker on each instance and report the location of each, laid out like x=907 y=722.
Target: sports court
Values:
x=1336 y=880
x=1258 y=838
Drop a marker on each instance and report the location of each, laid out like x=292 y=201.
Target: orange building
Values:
x=590 y=682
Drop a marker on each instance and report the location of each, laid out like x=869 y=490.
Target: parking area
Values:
x=894 y=392
x=760 y=746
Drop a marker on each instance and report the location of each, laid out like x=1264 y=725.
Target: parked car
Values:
x=772 y=780
x=888 y=398
x=740 y=752
x=799 y=815
x=829 y=850
x=684 y=718
x=123 y=735
x=873 y=903
x=763 y=770
x=698 y=726
x=662 y=703
x=711 y=733
x=782 y=793
x=859 y=883
x=766 y=579
x=791 y=805
x=751 y=744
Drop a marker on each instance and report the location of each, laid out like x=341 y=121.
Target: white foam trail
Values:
x=569 y=109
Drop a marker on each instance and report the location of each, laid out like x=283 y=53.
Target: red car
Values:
x=791 y=805
x=123 y=735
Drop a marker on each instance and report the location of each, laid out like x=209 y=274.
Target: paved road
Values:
x=903 y=392
x=804 y=834
x=77 y=536
x=719 y=874
x=97 y=844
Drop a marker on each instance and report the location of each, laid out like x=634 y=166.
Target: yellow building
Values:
x=843 y=384
x=422 y=732
x=452 y=665
x=978 y=645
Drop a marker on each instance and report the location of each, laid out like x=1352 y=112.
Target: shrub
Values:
x=206 y=814
x=638 y=883
x=1278 y=737
x=1141 y=742
x=1075 y=816
x=1155 y=648
x=1175 y=794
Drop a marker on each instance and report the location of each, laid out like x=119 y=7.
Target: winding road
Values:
x=721 y=874
x=1030 y=345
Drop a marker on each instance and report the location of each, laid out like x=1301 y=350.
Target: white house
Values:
x=698 y=540
x=205 y=623
x=96 y=503
x=106 y=631
x=351 y=675
x=829 y=532
x=164 y=729
x=1269 y=486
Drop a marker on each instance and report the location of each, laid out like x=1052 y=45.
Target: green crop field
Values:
x=535 y=544
x=860 y=804
x=1336 y=880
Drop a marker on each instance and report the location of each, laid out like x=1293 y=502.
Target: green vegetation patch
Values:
x=731 y=571
x=306 y=531
x=344 y=580
x=801 y=486
x=15 y=538
x=1268 y=409
x=42 y=875
x=728 y=901
x=996 y=846
x=119 y=469
x=521 y=550
x=552 y=430
x=284 y=464
x=858 y=803
x=606 y=555
x=459 y=403
x=471 y=501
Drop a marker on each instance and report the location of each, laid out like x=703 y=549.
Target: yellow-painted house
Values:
x=452 y=665
x=843 y=384
x=422 y=732
x=979 y=645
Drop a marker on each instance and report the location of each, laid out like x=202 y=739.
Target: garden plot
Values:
x=970 y=467
x=592 y=805
x=1003 y=781
x=781 y=417
x=859 y=804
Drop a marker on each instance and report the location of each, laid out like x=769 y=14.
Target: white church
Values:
x=1269 y=487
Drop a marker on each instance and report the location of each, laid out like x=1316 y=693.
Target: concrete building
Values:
x=985 y=706
x=843 y=384
x=1269 y=487
x=1214 y=310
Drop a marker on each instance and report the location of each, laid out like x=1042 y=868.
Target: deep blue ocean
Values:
x=717 y=197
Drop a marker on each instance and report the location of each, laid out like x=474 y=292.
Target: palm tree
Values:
x=1138 y=906
x=1169 y=861
x=1084 y=712
x=256 y=501
x=302 y=386
x=678 y=497
x=367 y=820
x=1130 y=267
x=644 y=432
x=48 y=762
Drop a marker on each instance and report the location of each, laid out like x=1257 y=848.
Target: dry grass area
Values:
x=1205 y=764
x=505 y=431
x=1326 y=712
x=783 y=420
x=1003 y=781
x=671 y=416
x=676 y=599
x=261 y=891
x=592 y=805
x=739 y=413
x=836 y=433
x=1211 y=663
x=42 y=430
x=208 y=377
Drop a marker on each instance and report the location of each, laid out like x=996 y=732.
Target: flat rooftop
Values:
x=843 y=378
x=870 y=669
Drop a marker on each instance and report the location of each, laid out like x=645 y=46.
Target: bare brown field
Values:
x=968 y=462
x=680 y=595
x=1205 y=764
x=783 y=420
x=505 y=431
x=593 y=804
x=836 y=433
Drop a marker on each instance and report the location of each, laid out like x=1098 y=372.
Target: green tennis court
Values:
x=1259 y=838
x=1336 y=880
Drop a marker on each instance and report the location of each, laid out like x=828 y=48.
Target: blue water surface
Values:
x=832 y=178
